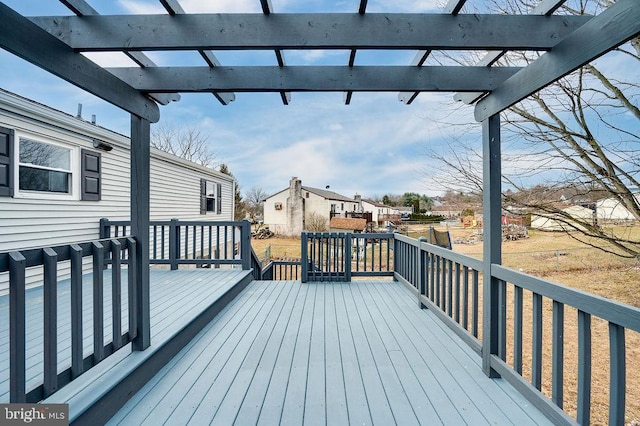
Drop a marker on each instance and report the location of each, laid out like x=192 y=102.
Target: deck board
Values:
x=176 y=297
x=326 y=353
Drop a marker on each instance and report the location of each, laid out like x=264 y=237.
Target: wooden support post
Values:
x=492 y=239
x=140 y=172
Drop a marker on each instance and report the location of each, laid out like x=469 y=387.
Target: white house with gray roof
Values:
x=286 y=211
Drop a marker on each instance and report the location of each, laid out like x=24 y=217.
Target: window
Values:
x=210 y=197
x=44 y=167
x=278 y=205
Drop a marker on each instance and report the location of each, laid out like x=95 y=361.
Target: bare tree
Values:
x=578 y=137
x=254 y=202
x=185 y=142
x=315 y=222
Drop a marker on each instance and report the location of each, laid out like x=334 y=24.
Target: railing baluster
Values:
x=155 y=242
x=50 y=263
x=437 y=272
x=210 y=243
x=194 y=232
x=77 y=366
x=202 y=242
x=457 y=293
x=226 y=242
x=536 y=345
x=162 y=243
x=465 y=300
x=618 y=372
x=17 y=328
x=98 y=314
x=116 y=296
x=502 y=320
x=517 y=328
x=557 y=354
x=450 y=288
x=475 y=302
x=584 y=367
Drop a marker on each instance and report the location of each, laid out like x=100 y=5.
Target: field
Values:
x=561 y=259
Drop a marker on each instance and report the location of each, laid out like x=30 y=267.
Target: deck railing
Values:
x=202 y=243
x=341 y=256
x=451 y=285
x=279 y=270
x=49 y=259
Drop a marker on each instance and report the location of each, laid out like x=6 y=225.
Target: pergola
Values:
x=56 y=44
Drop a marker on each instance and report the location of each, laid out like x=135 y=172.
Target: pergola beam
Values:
x=352 y=55
x=617 y=24
x=174 y=8
x=82 y=8
x=545 y=7
x=314 y=78
x=21 y=37
x=267 y=9
x=310 y=31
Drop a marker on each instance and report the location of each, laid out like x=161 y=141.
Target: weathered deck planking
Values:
x=326 y=353
x=176 y=297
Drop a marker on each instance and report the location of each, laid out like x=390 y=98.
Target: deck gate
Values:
x=330 y=256
x=326 y=256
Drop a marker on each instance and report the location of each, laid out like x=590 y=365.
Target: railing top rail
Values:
x=285 y=262
x=609 y=310
x=168 y=222
x=34 y=256
x=462 y=259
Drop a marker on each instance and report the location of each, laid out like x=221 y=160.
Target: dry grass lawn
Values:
x=558 y=258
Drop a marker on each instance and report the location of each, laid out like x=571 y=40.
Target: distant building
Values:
x=286 y=211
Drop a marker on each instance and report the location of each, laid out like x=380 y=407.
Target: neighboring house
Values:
x=379 y=211
x=286 y=211
x=60 y=174
x=612 y=210
x=551 y=224
x=347 y=224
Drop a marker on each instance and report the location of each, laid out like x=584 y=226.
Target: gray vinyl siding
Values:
x=32 y=222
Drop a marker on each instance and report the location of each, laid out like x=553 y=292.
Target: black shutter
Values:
x=203 y=196
x=6 y=164
x=219 y=198
x=91 y=175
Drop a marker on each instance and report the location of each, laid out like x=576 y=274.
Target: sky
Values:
x=376 y=145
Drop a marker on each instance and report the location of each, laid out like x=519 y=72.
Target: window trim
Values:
x=217 y=198
x=74 y=151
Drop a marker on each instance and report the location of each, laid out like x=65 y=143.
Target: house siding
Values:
x=27 y=222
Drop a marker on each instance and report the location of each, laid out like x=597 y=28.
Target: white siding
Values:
x=29 y=221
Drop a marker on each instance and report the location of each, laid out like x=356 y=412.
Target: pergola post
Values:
x=492 y=238
x=140 y=172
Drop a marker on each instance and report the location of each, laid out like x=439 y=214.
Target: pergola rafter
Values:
x=82 y=8
x=174 y=8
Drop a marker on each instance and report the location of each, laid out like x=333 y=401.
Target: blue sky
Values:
x=372 y=147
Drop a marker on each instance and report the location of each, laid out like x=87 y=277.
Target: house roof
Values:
x=324 y=193
x=376 y=203
x=347 y=223
x=329 y=195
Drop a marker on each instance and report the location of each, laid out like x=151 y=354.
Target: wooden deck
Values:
x=326 y=353
x=177 y=297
